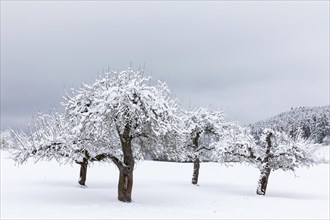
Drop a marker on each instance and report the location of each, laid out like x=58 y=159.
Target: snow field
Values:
x=162 y=190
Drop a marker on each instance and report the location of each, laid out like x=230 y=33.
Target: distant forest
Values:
x=312 y=122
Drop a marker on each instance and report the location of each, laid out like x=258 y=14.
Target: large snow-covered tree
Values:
x=132 y=110
x=201 y=127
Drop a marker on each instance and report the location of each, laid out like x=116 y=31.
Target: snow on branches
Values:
x=121 y=103
x=283 y=152
x=46 y=141
x=235 y=144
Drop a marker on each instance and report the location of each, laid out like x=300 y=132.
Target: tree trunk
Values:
x=125 y=184
x=83 y=172
x=196 y=161
x=265 y=170
x=263 y=181
x=196 y=171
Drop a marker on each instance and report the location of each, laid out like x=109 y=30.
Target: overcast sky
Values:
x=252 y=59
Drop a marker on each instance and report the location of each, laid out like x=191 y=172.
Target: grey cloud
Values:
x=221 y=53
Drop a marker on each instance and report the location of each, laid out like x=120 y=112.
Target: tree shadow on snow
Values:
x=295 y=195
x=229 y=189
x=70 y=192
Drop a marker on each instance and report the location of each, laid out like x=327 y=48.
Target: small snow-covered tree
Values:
x=202 y=127
x=278 y=151
x=92 y=138
x=274 y=151
x=53 y=138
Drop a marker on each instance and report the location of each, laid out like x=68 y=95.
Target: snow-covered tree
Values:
x=275 y=150
x=278 y=151
x=201 y=127
x=51 y=138
x=132 y=110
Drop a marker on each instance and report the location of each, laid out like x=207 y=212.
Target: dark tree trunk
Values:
x=125 y=185
x=83 y=172
x=263 y=181
x=196 y=161
x=196 y=171
x=265 y=171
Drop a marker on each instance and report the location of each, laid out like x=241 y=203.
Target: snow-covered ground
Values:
x=46 y=190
